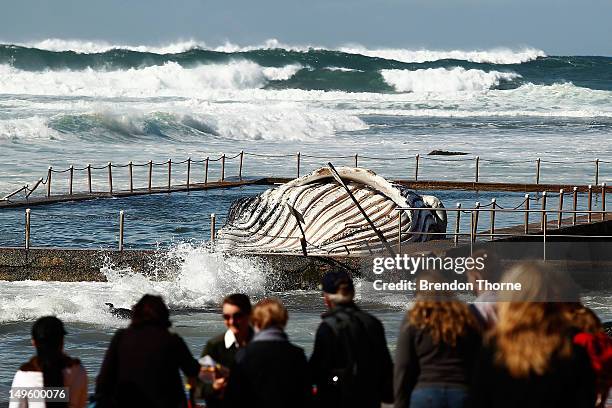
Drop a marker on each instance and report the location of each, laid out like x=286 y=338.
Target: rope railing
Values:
x=192 y=172
x=493 y=209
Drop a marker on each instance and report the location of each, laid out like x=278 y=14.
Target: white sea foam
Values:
x=27 y=129
x=282 y=73
x=342 y=69
x=203 y=279
x=92 y=47
x=170 y=79
x=274 y=121
x=494 y=56
x=444 y=80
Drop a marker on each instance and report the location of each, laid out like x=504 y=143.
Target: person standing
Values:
x=484 y=306
x=51 y=367
x=530 y=359
x=236 y=312
x=269 y=372
x=350 y=365
x=437 y=344
x=141 y=365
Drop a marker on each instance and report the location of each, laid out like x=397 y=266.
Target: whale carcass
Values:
x=314 y=214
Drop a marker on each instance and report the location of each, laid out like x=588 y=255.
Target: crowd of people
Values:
x=538 y=347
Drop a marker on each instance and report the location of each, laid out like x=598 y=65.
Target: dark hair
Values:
x=492 y=270
x=48 y=334
x=240 y=300
x=151 y=310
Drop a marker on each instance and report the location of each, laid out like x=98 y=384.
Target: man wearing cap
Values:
x=350 y=364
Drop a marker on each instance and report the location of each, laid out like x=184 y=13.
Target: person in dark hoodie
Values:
x=350 y=365
x=141 y=366
x=270 y=372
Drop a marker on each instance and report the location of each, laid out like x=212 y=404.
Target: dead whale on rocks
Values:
x=315 y=215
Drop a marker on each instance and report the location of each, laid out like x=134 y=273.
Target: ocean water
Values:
x=76 y=103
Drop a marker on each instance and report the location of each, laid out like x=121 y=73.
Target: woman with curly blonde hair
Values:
x=435 y=350
x=530 y=359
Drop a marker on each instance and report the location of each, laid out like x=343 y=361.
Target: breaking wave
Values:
x=446 y=80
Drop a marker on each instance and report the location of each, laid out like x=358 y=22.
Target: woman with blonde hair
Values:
x=437 y=344
x=530 y=359
x=270 y=372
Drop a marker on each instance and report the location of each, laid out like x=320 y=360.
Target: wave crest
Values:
x=170 y=79
x=492 y=56
x=445 y=80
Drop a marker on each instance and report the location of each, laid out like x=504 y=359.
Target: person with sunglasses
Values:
x=222 y=349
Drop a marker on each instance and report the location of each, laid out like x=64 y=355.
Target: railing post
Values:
x=590 y=204
x=71 y=179
x=356 y=160
x=131 y=171
x=475 y=221
x=575 y=206
x=40 y=180
x=399 y=233
x=416 y=168
x=527 y=213
x=206 y=171
x=49 y=181
x=240 y=168
x=188 y=172
x=603 y=201
x=150 y=174
x=27 y=228
x=298 y=163
x=543 y=207
x=544 y=236
x=492 y=230
x=110 y=178
x=561 y=192
x=596 y=172
x=223 y=167
x=538 y=171
x=212 y=227
x=169 y=174
x=457 y=223
x=89 y=177
x=477 y=169
x=121 y=224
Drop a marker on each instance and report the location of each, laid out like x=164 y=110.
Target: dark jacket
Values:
x=269 y=372
x=350 y=364
x=141 y=368
x=215 y=348
x=569 y=382
x=419 y=361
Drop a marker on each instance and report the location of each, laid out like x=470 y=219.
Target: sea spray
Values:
x=446 y=80
x=201 y=280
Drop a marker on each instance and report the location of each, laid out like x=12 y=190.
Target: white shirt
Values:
x=230 y=339
x=75 y=378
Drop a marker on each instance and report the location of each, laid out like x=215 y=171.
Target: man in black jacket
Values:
x=236 y=309
x=350 y=364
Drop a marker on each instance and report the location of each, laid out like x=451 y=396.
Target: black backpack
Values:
x=361 y=378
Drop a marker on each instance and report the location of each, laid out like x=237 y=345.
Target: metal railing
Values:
x=204 y=174
x=491 y=234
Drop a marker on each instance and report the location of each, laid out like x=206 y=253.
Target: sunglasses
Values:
x=235 y=316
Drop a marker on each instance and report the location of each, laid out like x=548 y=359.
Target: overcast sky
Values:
x=559 y=27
